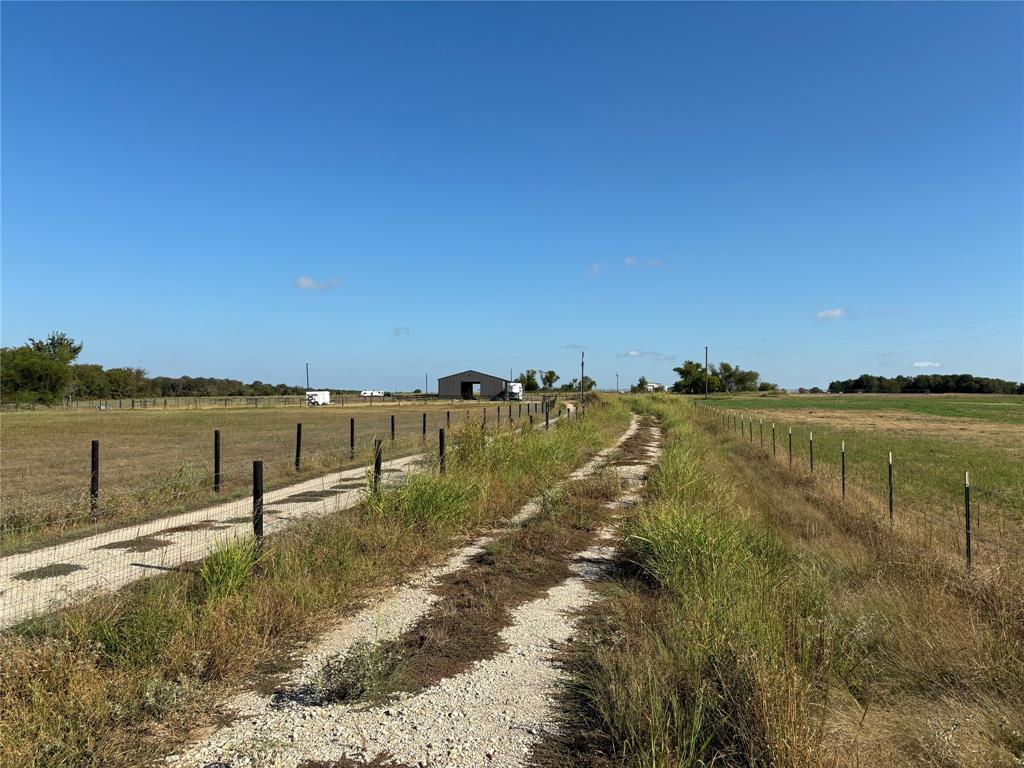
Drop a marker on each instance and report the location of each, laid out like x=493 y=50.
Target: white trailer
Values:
x=372 y=393
x=514 y=390
x=318 y=397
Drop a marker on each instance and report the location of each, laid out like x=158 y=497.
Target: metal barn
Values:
x=460 y=386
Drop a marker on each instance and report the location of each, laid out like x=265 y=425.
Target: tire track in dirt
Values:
x=490 y=714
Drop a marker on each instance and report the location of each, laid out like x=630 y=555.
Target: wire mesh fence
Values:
x=943 y=506
x=230 y=401
x=56 y=548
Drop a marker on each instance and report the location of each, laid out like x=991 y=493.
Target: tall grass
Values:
x=752 y=626
x=116 y=680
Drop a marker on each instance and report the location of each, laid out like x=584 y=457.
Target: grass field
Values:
x=1003 y=409
x=932 y=449
x=119 y=680
x=755 y=620
x=155 y=461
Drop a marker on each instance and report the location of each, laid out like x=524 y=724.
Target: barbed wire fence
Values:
x=57 y=548
x=978 y=522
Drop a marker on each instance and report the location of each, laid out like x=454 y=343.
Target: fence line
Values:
x=206 y=402
x=107 y=553
x=974 y=502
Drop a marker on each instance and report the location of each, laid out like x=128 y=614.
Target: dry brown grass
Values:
x=758 y=621
x=156 y=462
x=119 y=680
x=994 y=433
x=928 y=660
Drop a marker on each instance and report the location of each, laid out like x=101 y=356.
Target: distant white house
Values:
x=654 y=387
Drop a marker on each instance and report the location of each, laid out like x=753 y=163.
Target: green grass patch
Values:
x=1000 y=409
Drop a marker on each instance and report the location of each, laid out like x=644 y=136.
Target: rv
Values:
x=514 y=390
x=372 y=393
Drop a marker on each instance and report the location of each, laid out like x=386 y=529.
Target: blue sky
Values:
x=814 y=190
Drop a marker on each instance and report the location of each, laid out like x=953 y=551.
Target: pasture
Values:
x=155 y=461
x=934 y=441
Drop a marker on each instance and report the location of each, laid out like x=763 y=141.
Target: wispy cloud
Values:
x=402 y=330
x=649 y=354
x=595 y=269
x=574 y=346
x=926 y=364
x=830 y=314
x=631 y=261
x=307 y=283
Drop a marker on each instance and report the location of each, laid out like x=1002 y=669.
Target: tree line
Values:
x=546 y=381
x=46 y=372
x=937 y=383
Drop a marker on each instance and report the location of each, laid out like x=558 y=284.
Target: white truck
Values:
x=318 y=397
x=513 y=390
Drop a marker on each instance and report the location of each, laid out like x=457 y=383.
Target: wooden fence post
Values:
x=298 y=446
x=440 y=450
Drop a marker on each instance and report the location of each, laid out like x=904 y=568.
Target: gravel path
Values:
x=490 y=715
x=51 y=577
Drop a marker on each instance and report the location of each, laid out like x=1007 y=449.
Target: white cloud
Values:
x=926 y=364
x=402 y=330
x=830 y=314
x=656 y=356
x=629 y=261
x=307 y=283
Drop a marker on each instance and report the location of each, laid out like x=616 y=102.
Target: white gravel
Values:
x=490 y=715
x=107 y=561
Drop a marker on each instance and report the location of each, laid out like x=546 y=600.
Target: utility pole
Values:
x=705 y=373
x=425 y=388
x=616 y=382
x=307 y=375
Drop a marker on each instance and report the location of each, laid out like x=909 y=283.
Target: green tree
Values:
x=127 y=382
x=58 y=346
x=548 y=379
x=528 y=379
x=28 y=375
x=89 y=381
x=691 y=379
x=640 y=386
